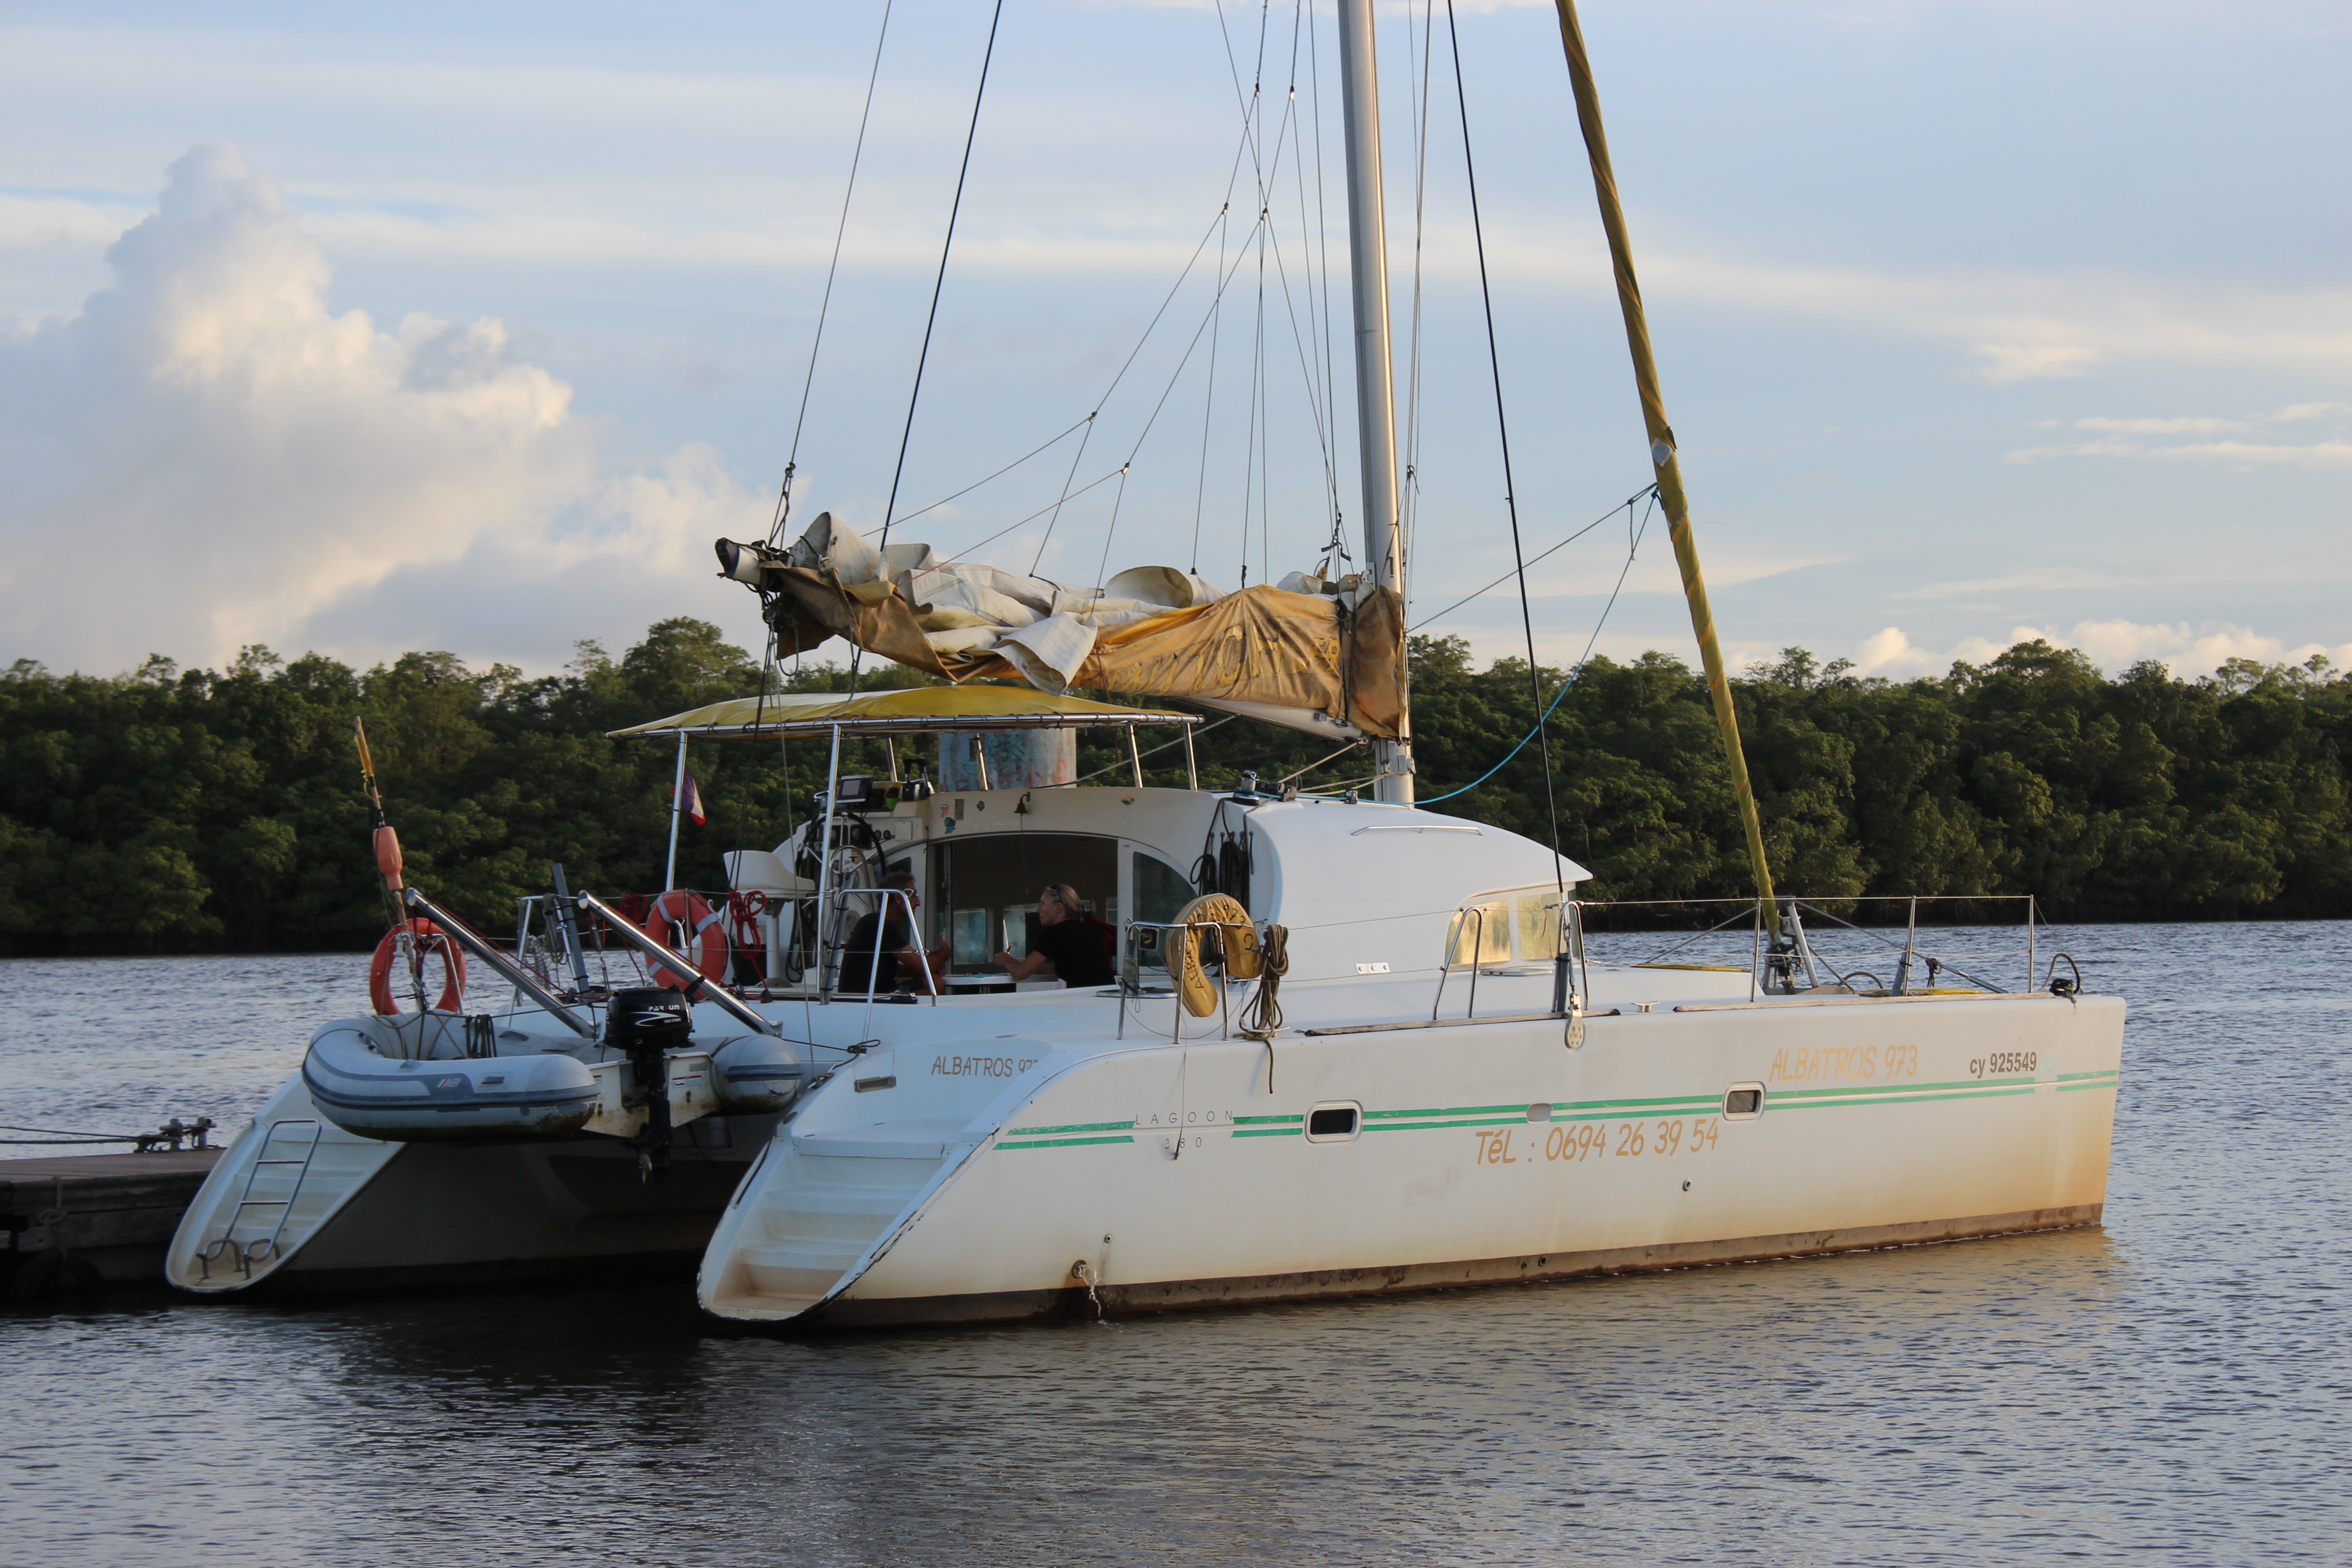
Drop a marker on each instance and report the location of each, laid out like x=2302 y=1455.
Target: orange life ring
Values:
x=709 y=929
x=416 y=934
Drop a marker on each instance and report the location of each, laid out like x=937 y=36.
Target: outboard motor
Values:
x=646 y=1025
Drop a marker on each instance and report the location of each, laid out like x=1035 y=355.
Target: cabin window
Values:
x=1481 y=935
x=987 y=885
x=1538 y=927
x=1161 y=891
x=1335 y=1123
x=1521 y=923
x=1743 y=1102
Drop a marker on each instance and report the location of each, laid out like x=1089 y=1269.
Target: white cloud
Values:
x=2040 y=578
x=206 y=456
x=32 y=222
x=2006 y=362
x=2188 y=651
x=2120 y=439
x=2187 y=426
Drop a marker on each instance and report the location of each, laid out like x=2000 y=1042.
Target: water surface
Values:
x=2172 y=1387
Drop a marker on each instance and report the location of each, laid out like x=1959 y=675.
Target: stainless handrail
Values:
x=1453 y=941
x=1128 y=935
x=698 y=987
x=513 y=974
x=874 y=959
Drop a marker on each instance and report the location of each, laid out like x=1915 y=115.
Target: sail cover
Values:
x=1314 y=654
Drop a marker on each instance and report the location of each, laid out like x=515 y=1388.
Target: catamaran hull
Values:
x=300 y=1204
x=1264 y=1289
x=1164 y=1178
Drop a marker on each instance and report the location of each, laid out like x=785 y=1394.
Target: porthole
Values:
x=1743 y=1102
x=1335 y=1121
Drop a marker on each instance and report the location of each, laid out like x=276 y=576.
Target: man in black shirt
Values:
x=883 y=945
x=1065 y=941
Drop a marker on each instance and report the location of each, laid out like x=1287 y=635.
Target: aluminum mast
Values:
x=1384 y=541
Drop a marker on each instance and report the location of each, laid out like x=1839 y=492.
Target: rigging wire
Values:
x=1573 y=674
x=1103 y=566
x=1149 y=751
x=1409 y=501
x=1077 y=456
x=1033 y=517
x=1323 y=243
x=1317 y=763
x=1503 y=436
x=1625 y=506
x=1000 y=473
x=792 y=459
x=1209 y=395
x=939 y=283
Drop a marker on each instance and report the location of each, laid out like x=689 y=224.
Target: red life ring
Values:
x=707 y=929
x=429 y=939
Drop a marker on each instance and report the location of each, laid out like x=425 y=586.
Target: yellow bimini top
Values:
x=921 y=709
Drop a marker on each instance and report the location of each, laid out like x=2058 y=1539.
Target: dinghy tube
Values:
x=362 y=1087
x=754 y=1074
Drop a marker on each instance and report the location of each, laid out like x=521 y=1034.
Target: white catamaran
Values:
x=1348 y=1045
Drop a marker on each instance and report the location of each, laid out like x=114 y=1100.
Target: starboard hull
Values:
x=1157 y=1176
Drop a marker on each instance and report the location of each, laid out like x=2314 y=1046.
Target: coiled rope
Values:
x=1262 y=1013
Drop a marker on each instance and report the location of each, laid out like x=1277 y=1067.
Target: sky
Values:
x=369 y=327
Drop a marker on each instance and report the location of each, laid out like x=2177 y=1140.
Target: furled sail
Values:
x=1308 y=653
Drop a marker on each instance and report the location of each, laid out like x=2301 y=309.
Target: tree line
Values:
x=171 y=810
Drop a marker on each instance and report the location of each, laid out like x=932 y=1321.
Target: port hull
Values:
x=298 y=1205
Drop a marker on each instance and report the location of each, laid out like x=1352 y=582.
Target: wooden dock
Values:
x=78 y=1222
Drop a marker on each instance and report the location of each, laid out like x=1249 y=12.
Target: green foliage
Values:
x=172 y=810
x=2144 y=798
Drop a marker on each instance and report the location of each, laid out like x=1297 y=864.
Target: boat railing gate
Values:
x=226 y=1248
x=915 y=933
x=1571 y=968
x=1777 y=958
x=1129 y=978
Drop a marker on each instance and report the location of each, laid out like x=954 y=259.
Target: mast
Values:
x=1661 y=445
x=1384 y=542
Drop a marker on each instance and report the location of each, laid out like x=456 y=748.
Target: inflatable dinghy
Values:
x=417 y=1080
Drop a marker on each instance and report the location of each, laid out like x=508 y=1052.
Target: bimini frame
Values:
x=907 y=712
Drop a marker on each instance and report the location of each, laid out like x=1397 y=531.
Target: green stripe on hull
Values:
x=1519 y=1110
x=1475 y=1118
x=1778 y=1095
x=1881 y=1098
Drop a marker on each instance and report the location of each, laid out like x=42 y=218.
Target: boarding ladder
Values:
x=302 y=1132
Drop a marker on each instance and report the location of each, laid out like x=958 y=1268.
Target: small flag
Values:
x=691 y=803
